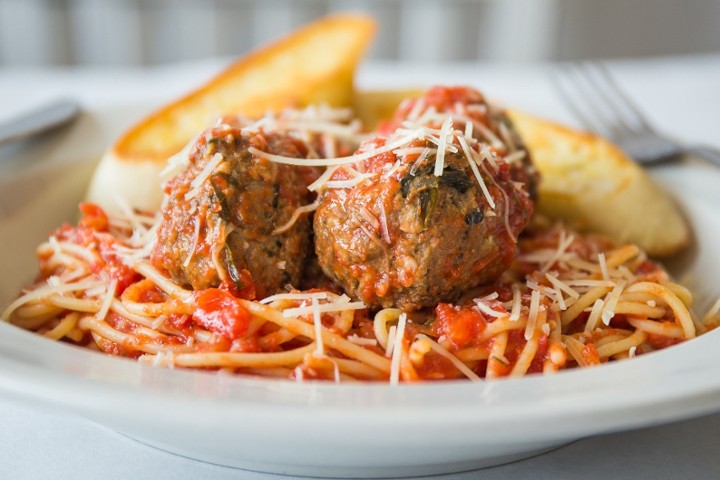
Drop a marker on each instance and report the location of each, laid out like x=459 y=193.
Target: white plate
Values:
x=329 y=430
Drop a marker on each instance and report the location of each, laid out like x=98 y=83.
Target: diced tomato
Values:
x=386 y=127
x=94 y=217
x=220 y=312
x=244 y=286
x=445 y=98
x=92 y=233
x=111 y=265
x=462 y=325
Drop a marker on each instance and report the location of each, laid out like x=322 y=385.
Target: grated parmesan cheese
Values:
x=368 y=217
x=195 y=240
x=417 y=109
x=317 y=322
x=397 y=350
x=603 y=266
x=611 y=301
x=473 y=166
x=384 y=224
x=468 y=130
x=293 y=296
x=107 y=300
x=445 y=132
x=515 y=157
x=327 y=162
x=423 y=155
x=179 y=162
x=323 y=308
x=204 y=174
x=294 y=218
x=594 y=315
x=486 y=309
x=390 y=341
x=563 y=245
x=516 y=304
x=349 y=183
x=322 y=179
x=561 y=285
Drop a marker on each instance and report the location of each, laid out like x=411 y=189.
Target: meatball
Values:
x=489 y=125
x=409 y=238
x=221 y=215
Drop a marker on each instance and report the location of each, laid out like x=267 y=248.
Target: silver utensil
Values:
x=40 y=120
x=597 y=101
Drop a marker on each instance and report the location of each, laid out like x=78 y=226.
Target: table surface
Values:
x=680 y=94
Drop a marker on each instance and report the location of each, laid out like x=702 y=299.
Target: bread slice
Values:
x=316 y=64
x=592 y=185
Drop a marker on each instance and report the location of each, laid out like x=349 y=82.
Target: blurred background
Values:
x=147 y=32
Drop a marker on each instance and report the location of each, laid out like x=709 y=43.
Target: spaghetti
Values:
x=567 y=300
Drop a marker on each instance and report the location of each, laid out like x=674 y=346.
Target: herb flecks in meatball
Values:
x=221 y=214
x=473 y=115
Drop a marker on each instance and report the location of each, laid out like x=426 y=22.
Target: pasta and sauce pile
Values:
x=299 y=245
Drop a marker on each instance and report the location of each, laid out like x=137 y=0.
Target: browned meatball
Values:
x=409 y=238
x=220 y=214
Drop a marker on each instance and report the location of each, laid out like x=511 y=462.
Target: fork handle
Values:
x=710 y=154
x=40 y=120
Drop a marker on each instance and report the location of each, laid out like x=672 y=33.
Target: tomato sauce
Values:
x=220 y=312
x=461 y=325
x=93 y=233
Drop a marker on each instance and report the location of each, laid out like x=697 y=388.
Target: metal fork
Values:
x=40 y=120
x=597 y=101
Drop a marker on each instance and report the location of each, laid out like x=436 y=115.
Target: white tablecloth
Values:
x=681 y=95
x=37 y=445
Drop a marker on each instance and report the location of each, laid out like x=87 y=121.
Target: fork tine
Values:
x=606 y=108
x=624 y=112
x=573 y=85
x=617 y=97
x=560 y=77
